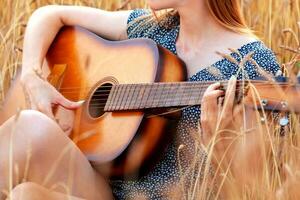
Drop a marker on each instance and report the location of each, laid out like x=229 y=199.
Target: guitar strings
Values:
x=153 y=85
x=102 y=93
x=104 y=104
x=165 y=101
x=105 y=96
x=182 y=84
x=105 y=93
x=164 y=88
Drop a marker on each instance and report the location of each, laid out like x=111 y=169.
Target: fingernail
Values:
x=233 y=77
x=81 y=102
x=65 y=127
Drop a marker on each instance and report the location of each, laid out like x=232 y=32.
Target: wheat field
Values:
x=276 y=22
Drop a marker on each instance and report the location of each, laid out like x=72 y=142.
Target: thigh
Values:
x=33 y=148
x=33 y=191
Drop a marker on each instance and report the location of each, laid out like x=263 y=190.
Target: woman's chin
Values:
x=159 y=5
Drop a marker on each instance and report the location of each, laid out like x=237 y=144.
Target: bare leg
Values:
x=33 y=191
x=34 y=149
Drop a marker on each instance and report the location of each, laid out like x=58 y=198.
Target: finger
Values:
x=230 y=96
x=212 y=96
x=33 y=105
x=61 y=100
x=220 y=100
x=63 y=126
x=209 y=108
x=47 y=110
x=213 y=86
x=209 y=102
x=30 y=102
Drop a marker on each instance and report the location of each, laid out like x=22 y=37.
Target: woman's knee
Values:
x=32 y=119
x=28 y=191
x=36 y=126
x=34 y=130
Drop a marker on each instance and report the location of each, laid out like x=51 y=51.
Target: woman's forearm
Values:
x=40 y=33
x=41 y=30
x=46 y=21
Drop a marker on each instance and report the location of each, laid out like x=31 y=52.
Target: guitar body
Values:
x=79 y=63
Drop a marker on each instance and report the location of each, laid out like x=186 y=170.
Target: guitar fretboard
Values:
x=154 y=95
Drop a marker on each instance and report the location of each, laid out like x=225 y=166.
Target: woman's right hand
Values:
x=41 y=29
x=43 y=96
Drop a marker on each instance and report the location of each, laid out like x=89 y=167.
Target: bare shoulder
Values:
x=237 y=40
x=109 y=24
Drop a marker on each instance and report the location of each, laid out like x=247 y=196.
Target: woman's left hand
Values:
x=230 y=131
x=217 y=117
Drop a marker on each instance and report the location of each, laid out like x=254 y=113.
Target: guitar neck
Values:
x=267 y=95
x=155 y=95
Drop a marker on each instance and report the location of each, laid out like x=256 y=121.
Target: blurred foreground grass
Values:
x=274 y=21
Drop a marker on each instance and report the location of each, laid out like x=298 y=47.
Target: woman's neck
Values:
x=197 y=26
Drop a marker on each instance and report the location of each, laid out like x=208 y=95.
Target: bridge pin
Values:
x=284 y=121
x=280 y=78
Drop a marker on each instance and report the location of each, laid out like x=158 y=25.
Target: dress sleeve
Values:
x=266 y=60
x=137 y=25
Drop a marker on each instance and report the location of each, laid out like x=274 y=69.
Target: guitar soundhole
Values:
x=98 y=100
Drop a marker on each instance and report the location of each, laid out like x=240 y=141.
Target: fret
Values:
x=182 y=98
x=120 y=97
x=156 y=93
x=168 y=91
x=162 y=95
x=129 y=98
x=171 y=95
x=114 y=97
x=140 y=96
x=195 y=90
x=150 y=98
x=109 y=99
x=200 y=95
x=177 y=93
x=124 y=98
x=144 y=100
x=201 y=92
x=133 y=103
x=191 y=94
x=188 y=94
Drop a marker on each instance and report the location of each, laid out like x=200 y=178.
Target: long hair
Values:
x=226 y=12
x=229 y=14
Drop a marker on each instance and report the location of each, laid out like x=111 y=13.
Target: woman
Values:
x=197 y=30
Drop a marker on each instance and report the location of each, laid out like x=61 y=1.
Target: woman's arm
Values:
x=234 y=139
x=46 y=21
x=41 y=30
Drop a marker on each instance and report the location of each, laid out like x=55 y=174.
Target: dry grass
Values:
x=275 y=22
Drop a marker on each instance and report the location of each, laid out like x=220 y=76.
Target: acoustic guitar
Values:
x=121 y=81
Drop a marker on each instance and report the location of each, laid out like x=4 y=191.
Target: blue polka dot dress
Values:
x=158 y=183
